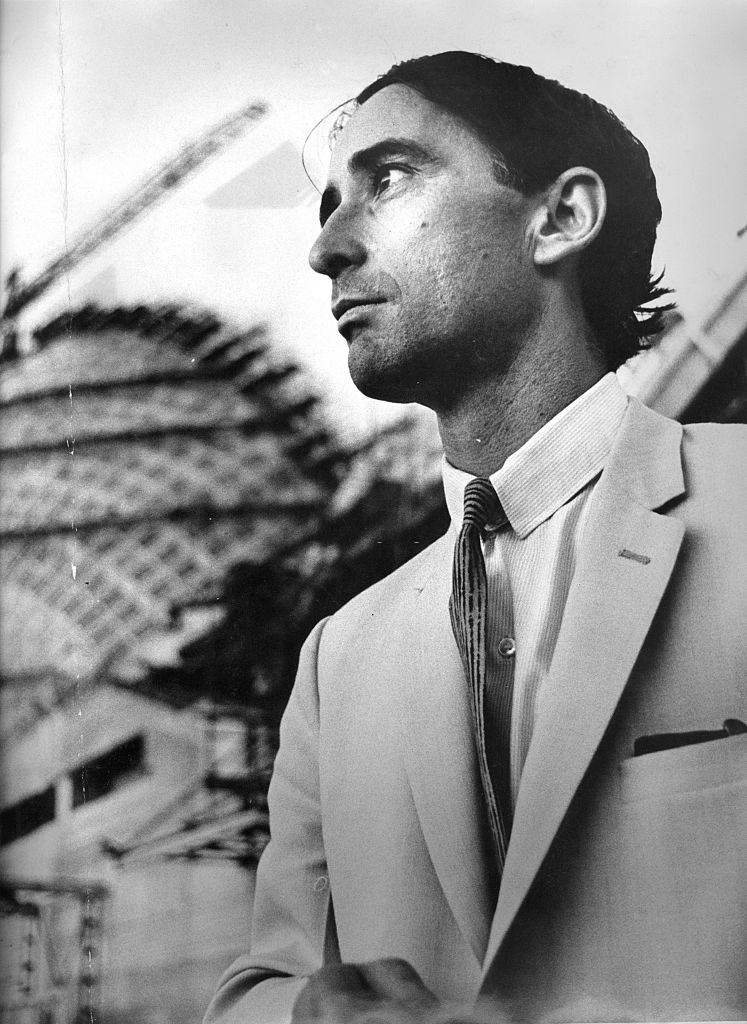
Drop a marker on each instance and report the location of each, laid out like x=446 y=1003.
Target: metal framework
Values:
x=183 y=472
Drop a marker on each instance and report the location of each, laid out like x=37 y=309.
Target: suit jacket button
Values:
x=507 y=647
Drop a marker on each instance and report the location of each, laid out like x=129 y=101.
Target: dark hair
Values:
x=537 y=129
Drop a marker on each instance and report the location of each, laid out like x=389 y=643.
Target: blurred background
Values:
x=189 y=481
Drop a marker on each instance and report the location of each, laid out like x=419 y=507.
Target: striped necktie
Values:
x=468 y=608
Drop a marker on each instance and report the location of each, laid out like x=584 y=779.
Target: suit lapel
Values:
x=439 y=749
x=625 y=562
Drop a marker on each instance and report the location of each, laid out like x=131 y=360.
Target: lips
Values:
x=343 y=306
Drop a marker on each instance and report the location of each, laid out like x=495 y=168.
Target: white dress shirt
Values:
x=545 y=488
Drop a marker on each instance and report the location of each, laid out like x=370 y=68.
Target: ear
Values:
x=570 y=217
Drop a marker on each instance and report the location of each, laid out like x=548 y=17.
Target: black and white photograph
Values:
x=373 y=511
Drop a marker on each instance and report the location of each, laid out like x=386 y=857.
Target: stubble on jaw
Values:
x=408 y=357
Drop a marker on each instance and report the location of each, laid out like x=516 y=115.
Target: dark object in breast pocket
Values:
x=669 y=740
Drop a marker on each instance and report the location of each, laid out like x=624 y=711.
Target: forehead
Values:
x=398 y=112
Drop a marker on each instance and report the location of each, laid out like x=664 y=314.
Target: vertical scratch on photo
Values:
x=63 y=151
x=70 y=440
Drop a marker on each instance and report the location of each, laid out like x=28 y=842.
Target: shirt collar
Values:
x=554 y=464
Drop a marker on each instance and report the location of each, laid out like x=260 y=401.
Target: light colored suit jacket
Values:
x=623 y=894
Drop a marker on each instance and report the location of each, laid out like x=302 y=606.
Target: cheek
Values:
x=482 y=257
x=456 y=258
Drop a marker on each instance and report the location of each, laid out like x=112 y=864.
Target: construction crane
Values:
x=172 y=173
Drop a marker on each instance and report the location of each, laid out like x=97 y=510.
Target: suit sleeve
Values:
x=292 y=925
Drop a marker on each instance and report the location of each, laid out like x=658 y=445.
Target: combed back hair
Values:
x=536 y=129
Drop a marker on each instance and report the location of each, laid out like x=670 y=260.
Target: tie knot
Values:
x=482 y=506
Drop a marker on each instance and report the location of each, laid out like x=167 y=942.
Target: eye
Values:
x=386 y=176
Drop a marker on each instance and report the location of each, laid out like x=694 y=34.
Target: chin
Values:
x=385 y=383
x=383 y=391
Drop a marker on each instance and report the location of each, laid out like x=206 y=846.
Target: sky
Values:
x=94 y=95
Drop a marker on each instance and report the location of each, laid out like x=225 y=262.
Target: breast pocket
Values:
x=682 y=830
x=692 y=769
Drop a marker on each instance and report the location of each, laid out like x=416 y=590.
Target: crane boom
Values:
x=191 y=156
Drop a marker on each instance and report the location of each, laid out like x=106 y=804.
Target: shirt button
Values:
x=507 y=647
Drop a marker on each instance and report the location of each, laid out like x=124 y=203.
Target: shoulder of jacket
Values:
x=719 y=448
x=721 y=434
x=714 y=463
x=406 y=579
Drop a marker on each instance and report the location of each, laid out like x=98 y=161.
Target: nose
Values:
x=338 y=245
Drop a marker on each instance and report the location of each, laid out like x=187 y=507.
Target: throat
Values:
x=493 y=422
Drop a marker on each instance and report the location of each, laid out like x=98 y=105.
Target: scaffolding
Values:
x=50 y=938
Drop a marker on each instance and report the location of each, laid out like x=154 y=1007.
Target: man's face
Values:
x=432 y=277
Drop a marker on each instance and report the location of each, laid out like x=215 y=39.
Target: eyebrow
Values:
x=370 y=157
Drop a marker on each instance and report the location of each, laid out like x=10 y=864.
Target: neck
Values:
x=499 y=413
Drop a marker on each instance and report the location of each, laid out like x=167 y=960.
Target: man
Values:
x=510 y=783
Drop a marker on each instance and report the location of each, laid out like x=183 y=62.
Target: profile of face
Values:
x=428 y=253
